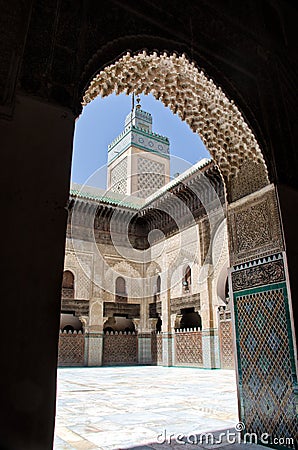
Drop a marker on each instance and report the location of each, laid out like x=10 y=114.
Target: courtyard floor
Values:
x=140 y=407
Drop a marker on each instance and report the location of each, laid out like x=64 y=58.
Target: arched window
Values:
x=187 y=279
x=158 y=284
x=120 y=288
x=68 y=284
x=157 y=288
x=156 y=298
x=227 y=291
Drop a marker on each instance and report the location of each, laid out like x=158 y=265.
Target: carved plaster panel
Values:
x=254 y=226
x=82 y=265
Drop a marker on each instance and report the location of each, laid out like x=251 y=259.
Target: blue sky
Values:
x=103 y=119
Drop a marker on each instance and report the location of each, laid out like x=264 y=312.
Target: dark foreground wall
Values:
x=36 y=154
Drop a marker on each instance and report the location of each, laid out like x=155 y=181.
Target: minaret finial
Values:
x=132 y=101
x=138 y=102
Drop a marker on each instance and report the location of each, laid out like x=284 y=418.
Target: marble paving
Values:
x=140 y=407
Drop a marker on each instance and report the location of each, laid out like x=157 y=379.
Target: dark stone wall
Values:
x=49 y=52
x=248 y=48
x=53 y=49
x=288 y=200
x=36 y=155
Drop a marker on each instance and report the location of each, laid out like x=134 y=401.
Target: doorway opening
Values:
x=177 y=211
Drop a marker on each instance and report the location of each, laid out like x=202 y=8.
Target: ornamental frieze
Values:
x=263 y=274
x=186 y=301
x=131 y=310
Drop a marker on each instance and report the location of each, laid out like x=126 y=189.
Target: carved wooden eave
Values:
x=185 y=301
x=77 y=306
x=177 y=205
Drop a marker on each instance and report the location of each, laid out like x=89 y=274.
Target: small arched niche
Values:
x=68 y=283
x=120 y=290
x=186 y=282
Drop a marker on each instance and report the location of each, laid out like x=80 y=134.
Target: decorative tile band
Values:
x=258 y=261
x=120 y=349
x=258 y=272
x=71 y=349
x=226 y=344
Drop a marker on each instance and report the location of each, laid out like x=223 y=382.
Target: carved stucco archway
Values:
x=187 y=91
x=256 y=252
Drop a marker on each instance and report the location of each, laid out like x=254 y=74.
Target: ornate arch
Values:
x=153 y=269
x=123 y=268
x=68 y=283
x=132 y=277
x=187 y=91
x=68 y=279
x=153 y=279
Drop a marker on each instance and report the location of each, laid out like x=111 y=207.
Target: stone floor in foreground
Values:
x=140 y=407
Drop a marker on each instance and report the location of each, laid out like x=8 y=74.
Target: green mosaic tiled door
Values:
x=266 y=364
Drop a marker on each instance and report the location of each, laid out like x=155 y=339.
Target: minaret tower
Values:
x=138 y=159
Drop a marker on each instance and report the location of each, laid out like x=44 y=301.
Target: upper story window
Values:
x=120 y=289
x=157 y=288
x=186 y=283
x=158 y=284
x=68 y=284
x=227 y=291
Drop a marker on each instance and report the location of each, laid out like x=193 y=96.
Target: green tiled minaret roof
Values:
x=138 y=133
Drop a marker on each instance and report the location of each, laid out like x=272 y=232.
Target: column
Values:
x=175 y=321
x=143 y=326
x=94 y=334
x=85 y=321
x=36 y=145
x=144 y=336
x=210 y=343
x=167 y=338
x=152 y=324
